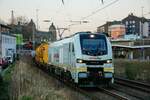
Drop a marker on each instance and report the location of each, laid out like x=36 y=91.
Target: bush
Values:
x=5 y=83
x=131 y=71
x=26 y=98
x=4 y=95
x=136 y=70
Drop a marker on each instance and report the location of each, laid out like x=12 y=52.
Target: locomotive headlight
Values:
x=109 y=61
x=79 y=61
x=92 y=36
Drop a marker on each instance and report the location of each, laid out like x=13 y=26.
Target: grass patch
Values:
x=131 y=70
x=4 y=95
x=5 y=83
x=26 y=98
x=136 y=70
x=8 y=73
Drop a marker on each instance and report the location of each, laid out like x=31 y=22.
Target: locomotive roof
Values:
x=88 y=32
x=69 y=38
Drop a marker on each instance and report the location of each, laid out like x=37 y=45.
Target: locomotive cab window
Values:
x=93 y=45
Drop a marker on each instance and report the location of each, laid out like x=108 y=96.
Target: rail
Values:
x=134 y=84
x=118 y=96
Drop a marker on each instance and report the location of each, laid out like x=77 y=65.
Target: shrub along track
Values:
x=30 y=82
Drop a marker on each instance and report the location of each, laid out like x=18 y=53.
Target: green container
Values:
x=19 y=39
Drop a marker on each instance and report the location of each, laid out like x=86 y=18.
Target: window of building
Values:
x=3 y=39
x=133 y=25
x=7 y=40
x=126 y=22
x=130 y=22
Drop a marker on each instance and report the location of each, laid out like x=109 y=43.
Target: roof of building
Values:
x=52 y=27
x=8 y=34
x=42 y=32
x=131 y=15
x=6 y=26
x=131 y=47
x=111 y=23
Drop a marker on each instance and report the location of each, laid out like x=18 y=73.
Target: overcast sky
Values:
x=61 y=15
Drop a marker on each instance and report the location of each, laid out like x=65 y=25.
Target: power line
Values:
x=102 y=1
x=63 y=2
x=94 y=12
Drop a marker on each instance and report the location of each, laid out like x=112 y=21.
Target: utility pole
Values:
x=37 y=19
x=142 y=23
x=12 y=18
x=142 y=34
x=33 y=37
x=34 y=28
x=61 y=33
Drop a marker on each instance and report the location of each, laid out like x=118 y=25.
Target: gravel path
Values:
x=29 y=81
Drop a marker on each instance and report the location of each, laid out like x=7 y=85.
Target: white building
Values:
x=137 y=25
x=8 y=45
x=7 y=42
x=144 y=29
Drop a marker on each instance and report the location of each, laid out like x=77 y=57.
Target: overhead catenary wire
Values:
x=94 y=12
x=102 y=1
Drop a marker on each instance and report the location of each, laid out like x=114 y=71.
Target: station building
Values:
x=131 y=49
x=7 y=42
x=8 y=45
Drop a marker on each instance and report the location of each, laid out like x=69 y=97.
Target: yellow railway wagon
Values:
x=41 y=53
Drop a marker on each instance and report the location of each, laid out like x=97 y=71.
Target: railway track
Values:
x=74 y=87
x=91 y=96
x=114 y=94
x=133 y=84
x=104 y=92
x=86 y=93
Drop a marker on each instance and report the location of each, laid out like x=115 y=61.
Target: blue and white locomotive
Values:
x=85 y=58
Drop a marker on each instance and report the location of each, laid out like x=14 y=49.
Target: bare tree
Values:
x=22 y=20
